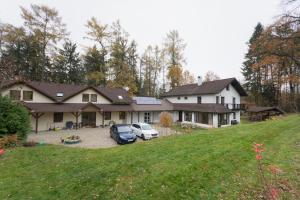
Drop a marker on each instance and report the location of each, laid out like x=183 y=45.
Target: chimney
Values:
x=199 y=80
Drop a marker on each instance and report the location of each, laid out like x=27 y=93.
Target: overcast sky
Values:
x=216 y=31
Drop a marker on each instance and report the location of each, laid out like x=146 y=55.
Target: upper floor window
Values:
x=60 y=94
x=93 y=97
x=27 y=95
x=233 y=100
x=15 y=94
x=217 y=100
x=185 y=98
x=58 y=117
x=227 y=87
x=85 y=97
x=199 y=100
x=222 y=100
x=178 y=98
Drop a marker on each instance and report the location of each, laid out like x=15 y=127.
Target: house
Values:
x=214 y=103
x=52 y=105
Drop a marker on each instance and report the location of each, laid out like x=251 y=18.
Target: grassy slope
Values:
x=209 y=164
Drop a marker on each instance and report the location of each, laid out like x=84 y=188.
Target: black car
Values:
x=122 y=134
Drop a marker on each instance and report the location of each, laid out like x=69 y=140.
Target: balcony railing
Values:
x=232 y=106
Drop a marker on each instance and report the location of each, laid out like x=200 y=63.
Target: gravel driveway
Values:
x=92 y=138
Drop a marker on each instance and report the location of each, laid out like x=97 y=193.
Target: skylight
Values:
x=120 y=97
x=60 y=94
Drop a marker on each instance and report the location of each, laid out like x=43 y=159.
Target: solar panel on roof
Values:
x=146 y=101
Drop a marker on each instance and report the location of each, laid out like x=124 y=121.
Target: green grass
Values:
x=206 y=164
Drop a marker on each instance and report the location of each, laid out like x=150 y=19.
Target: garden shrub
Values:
x=165 y=119
x=14 y=119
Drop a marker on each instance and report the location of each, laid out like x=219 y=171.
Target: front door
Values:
x=88 y=119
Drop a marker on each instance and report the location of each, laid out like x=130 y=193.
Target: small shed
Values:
x=259 y=113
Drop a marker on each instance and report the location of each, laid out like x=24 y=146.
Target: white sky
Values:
x=215 y=31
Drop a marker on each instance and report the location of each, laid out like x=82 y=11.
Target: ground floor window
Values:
x=188 y=116
x=223 y=119
x=122 y=115
x=107 y=115
x=147 y=117
x=234 y=115
x=201 y=118
x=58 y=117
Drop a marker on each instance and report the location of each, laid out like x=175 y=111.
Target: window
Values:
x=188 y=116
x=217 y=99
x=222 y=100
x=199 y=100
x=107 y=115
x=93 y=97
x=233 y=100
x=178 y=98
x=136 y=126
x=15 y=94
x=227 y=87
x=60 y=94
x=27 y=95
x=122 y=115
x=58 y=117
x=147 y=117
x=185 y=98
x=85 y=97
x=234 y=115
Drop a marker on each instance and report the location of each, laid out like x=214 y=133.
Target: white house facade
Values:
x=213 y=104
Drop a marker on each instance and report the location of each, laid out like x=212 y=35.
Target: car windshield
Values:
x=146 y=127
x=122 y=129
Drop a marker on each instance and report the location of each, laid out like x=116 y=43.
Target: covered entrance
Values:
x=88 y=119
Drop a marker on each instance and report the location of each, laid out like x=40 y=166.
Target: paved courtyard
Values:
x=91 y=137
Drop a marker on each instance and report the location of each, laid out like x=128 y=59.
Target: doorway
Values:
x=88 y=119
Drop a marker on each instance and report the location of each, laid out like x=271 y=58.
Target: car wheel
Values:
x=143 y=137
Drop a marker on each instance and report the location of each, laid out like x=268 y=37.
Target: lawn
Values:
x=205 y=164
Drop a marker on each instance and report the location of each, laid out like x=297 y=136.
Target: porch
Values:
x=74 y=116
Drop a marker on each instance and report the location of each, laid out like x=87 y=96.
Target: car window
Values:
x=122 y=129
x=146 y=127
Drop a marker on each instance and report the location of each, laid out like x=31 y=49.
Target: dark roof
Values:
x=205 y=107
x=51 y=89
x=74 y=107
x=257 y=109
x=210 y=87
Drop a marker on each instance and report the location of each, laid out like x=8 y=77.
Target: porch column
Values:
x=37 y=116
x=193 y=117
x=131 y=117
x=76 y=115
x=183 y=116
x=102 y=113
x=138 y=116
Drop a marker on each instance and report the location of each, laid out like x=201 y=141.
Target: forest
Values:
x=41 y=50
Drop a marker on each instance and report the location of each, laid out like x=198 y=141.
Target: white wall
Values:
x=36 y=98
x=78 y=98
x=209 y=98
